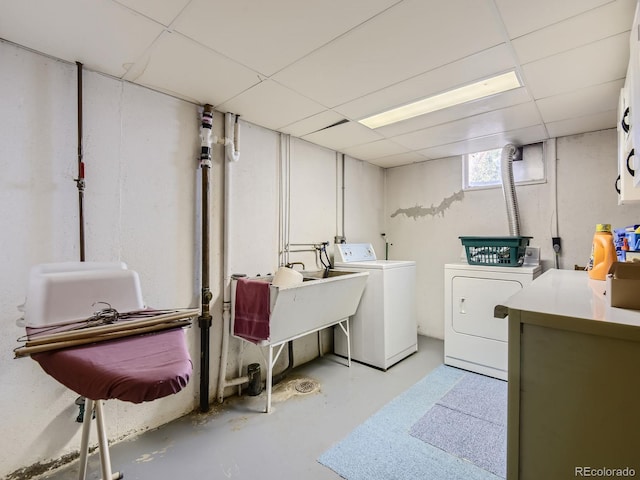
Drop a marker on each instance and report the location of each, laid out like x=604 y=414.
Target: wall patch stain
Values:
x=420 y=211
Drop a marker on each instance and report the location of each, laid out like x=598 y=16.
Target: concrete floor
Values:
x=235 y=440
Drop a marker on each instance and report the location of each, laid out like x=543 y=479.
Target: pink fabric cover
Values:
x=251 y=310
x=135 y=369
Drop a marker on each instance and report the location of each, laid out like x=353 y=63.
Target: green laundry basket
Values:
x=496 y=251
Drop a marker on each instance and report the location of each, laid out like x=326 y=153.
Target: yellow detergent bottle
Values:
x=603 y=252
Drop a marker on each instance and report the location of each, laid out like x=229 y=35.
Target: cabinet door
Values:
x=473 y=301
x=633 y=94
x=627 y=162
x=578 y=402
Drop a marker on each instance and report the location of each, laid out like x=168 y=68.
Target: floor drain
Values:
x=305 y=386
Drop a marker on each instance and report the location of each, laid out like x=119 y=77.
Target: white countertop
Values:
x=571 y=293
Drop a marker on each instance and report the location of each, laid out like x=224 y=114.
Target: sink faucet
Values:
x=291 y=264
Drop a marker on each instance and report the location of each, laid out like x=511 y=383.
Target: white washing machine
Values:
x=473 y=338
x=383 y=330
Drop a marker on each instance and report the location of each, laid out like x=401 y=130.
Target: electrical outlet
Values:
x=339 y=239
x=556 y=244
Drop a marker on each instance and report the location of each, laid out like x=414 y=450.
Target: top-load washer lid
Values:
x=375 y=264
x=362 y=255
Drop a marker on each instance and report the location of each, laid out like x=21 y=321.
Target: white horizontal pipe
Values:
x=237 y=381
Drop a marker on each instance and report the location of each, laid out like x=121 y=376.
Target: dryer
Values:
x=473 y=338
x=384 y=329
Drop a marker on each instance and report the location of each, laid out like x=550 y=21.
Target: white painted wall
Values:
x=586 y=196
x=364 y=204
x=436 y=213
x=142 y=206
x=314 y=192
x=140 y=152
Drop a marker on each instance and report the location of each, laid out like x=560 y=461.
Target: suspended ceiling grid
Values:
x=312 y=69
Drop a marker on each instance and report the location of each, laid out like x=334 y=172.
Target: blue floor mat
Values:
x=383 y=448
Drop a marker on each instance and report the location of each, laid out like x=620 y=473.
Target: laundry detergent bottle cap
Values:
x=603 y=227
x=603 y=252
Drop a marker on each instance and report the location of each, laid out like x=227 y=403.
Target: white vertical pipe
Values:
x=550 y=160
x=338 y=199
x=281 y=234
x=231 y=140
x=288 y=194
x=232 y=155
x=280 y=207
x=284 y=197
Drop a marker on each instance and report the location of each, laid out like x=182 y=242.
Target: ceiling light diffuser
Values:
x=474 y=91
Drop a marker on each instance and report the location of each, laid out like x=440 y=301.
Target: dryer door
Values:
x=472 y=306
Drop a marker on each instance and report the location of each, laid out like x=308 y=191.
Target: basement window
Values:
x=481 y=170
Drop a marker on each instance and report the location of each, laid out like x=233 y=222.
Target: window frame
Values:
x=465 y=172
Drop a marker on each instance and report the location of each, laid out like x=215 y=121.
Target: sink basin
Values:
x=315 y=303
x=297 y=310
x=319 y=274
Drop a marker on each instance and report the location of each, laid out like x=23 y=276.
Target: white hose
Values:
x=509 y=189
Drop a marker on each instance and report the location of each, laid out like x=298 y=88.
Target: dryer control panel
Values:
x=354 y=252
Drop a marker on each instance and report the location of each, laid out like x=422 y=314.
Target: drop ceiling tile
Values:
x=408 y=39
x=523 y=16
x=181 y=67
x=589 y=123
x=343 y=136
x=103 y=35
x=490 y=123
x=360 y=57
x=579 y=103
x=313 y=123
x=576 y=31
x=467 y=70
x=576 y=68
x=163 y=12
x=371 y=150
x=399 y=159
x=521 y=136
x=469 y=109
x=267 y=36
x=271 y=105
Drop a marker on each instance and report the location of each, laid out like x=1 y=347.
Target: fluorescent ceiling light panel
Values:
x=474 y=91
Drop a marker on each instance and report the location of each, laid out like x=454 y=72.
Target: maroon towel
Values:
x=252 y=310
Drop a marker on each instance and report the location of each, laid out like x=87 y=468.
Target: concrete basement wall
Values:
x=427 y=210
x=142 y=206
x=140 y=151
